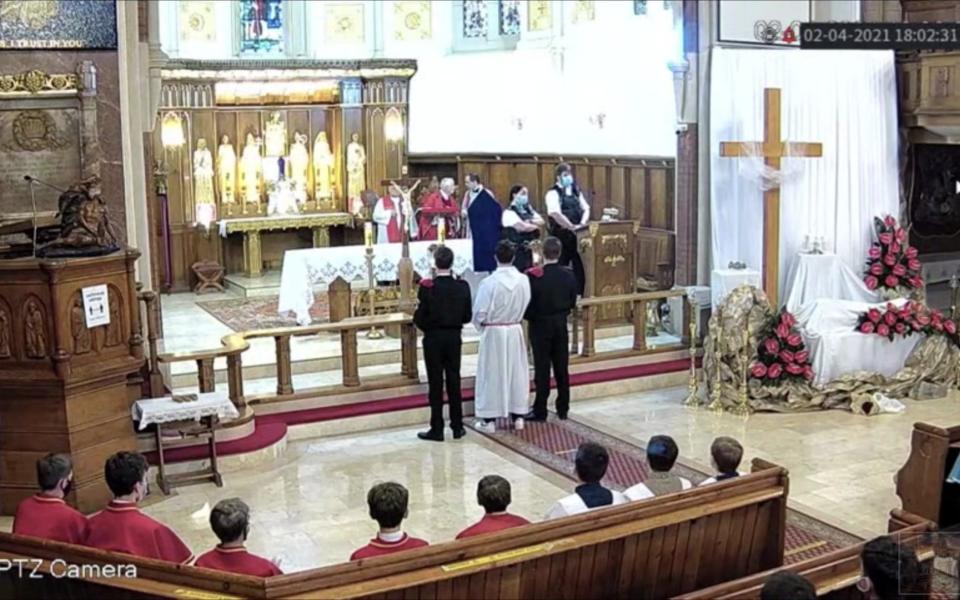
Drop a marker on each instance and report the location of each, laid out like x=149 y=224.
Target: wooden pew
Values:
x=835 y=574
x=651 y=549
x=921 y=482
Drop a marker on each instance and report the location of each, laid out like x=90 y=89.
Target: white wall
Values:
x=472 y=101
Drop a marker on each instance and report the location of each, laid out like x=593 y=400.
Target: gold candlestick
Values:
x=373 y=333
x=693 y=398
x=743 y=408
x=716 y=403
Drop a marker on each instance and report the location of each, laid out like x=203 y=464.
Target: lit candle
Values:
x=368 y=234
x=442 y=230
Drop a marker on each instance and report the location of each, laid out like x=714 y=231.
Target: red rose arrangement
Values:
x=892 y=264
x=912 y=317
x=782 y=354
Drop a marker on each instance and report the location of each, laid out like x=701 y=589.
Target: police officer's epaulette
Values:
x=535 y=271
x=427 y=283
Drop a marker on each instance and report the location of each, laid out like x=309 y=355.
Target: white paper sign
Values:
x=96 y=305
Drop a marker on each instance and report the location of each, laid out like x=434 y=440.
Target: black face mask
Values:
x=68 y=487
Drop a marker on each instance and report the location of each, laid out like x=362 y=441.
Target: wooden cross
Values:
x=772 y=149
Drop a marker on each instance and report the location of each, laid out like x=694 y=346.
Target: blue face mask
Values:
x=566 y=180
x=522 y=200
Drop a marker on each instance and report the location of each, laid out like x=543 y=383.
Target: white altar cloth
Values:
x=818 y=276
x=836 y=348
x=724 y=281
x=302 y=269
x=165 y=410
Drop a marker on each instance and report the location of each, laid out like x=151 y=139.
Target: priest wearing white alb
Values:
x=387 y=216
x=503 y=374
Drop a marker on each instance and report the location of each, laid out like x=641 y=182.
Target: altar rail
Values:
x=234 y=345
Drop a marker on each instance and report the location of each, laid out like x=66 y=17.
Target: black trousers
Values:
x=548 y=336
x=441 y=353
x=570 y=256
x=523 y=259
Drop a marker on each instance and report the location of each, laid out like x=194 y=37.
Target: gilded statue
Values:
x=227 y=170
x=78 y=328
x=85 y=228
x=250 y=171
x=4 y=333
x=322 y=169
x=356 y=168
x=299 y=166
x=204 y=201
x=275 y=136
x=35 y=335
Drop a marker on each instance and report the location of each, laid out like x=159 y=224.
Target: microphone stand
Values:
x=33 y=203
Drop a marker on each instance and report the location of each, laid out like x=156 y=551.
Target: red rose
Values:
x=916 y=325
x=795 y=340
x=772 y=345
x=900 y=328
x=808 y=372
x=923 y=319
x=782 y=331
x=899 y=270
x=885 y=238
x=874 y=252
x=788 y=318
x=883 y=330
x=871 y=282
x=912 y=252
x=936 y=315
x=801 y=357
x=758 y=370
x=937 y=325
x=794 y=369
x=895 y=248
x=774 y=371
x=949 y=326
x=786 y=356
x=866 y=327
x=901 y=235
x=876 y=269
x=874 y=315
x=889 y=221
x=890 y=318
x=913 y=264
x=891 y=281
x=916 y=282
x=889 y=260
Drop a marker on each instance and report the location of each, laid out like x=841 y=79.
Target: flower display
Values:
x=892 y=266
x=782 y=355
x=912 y=317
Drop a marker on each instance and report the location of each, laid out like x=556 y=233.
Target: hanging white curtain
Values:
x=845 y=100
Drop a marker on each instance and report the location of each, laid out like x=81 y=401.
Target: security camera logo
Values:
x=774 y=32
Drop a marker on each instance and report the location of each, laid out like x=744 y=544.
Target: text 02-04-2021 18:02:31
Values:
x=879 y=36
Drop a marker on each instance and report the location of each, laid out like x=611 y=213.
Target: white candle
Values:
x=368 y=234
x=442 y=230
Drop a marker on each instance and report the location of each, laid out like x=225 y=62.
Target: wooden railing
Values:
x=234 y=345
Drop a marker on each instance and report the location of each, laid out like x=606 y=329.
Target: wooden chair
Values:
x=209 y=276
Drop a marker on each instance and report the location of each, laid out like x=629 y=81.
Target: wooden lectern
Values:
x=65 y=387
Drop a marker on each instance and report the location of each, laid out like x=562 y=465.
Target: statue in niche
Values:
x=227 y=168
x=85 y=228
x=322 y=169
x=204 y=200
x=275 y=136
x=299 y=166
x=250 y=171
x=4 y=333
x=356 y=168
x=115 y=327
x=35 y=335
x=78 y=328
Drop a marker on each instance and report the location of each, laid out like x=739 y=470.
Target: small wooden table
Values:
x=197 y=418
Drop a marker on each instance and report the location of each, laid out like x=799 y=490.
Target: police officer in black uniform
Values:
x=444 y=306
x=553 y=294
x=568 y=212
x=521 y=225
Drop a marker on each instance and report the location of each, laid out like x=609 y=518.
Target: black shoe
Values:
x=562 y=416
x=459 y=433
x=431 y=435
x=534 y=417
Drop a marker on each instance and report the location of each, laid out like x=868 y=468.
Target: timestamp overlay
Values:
x=880 y=36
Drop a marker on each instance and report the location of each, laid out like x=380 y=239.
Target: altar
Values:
x=303 y=269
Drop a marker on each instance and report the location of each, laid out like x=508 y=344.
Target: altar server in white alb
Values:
x=591 y=465
x=503 y=374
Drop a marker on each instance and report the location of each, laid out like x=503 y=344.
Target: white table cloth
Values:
x=828 y=327
x=817 y=276
x=165 y=410
x=724 y=281
x=302 y=269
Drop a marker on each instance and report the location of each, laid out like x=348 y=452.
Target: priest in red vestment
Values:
x=46 y=515
x=230 y=520
x=493 y=494
x=388 y=507
x=437 y=206
x=121 y=527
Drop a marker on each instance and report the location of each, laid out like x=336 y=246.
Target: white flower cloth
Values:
x=165 y=410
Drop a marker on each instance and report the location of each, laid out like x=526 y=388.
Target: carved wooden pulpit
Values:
x=609 y=264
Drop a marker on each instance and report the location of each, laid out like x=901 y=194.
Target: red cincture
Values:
x=427 y=283
x=535 y=271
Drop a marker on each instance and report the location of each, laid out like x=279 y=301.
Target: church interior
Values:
x=244 y=245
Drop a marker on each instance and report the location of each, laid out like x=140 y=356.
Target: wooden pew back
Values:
x=834 y=575
x=921 y=481
x=650 y=549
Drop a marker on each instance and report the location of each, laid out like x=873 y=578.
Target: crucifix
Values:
x=405 y=266
x=772 y=149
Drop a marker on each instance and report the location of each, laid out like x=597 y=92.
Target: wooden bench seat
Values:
x=651 y=549
x=921 y=482
x=835 y=574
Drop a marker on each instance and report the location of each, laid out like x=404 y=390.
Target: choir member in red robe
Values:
x=493 y=494
x=46 y=515
x=436 y=206
x=388 y=507
x=230 y=520
x=121 y=527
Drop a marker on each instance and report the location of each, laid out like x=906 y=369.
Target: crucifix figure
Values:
x=772 y=149
x=405 y=266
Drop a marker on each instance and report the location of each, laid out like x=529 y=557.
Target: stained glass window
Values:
x=261 y=26
x=474 y=19
x=509 y=17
